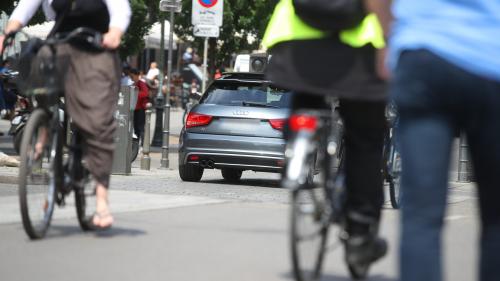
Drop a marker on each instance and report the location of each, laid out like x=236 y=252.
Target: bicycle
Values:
x=47 y=175
x=317 y=208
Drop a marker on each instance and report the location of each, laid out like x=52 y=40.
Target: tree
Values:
x=133 y=41
x=8 y=6
x=243 y=27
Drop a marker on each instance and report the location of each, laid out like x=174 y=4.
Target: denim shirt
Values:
x=464 y=32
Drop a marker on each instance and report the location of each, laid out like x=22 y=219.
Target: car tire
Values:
x=191 y=173
x=231 y=175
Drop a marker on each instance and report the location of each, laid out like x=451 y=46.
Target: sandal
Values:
x=99 y=217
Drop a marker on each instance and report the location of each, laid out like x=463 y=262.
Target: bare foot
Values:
x=102 y=217
x=102 y=220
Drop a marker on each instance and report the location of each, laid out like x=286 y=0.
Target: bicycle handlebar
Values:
x=7 y=40
x=88 y=35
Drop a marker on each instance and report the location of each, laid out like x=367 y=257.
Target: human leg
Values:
x=91 y=99
x=364 y=127
x=483 y=133
x=426 y=129
x=139 y=123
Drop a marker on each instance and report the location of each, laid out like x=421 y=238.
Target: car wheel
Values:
x=231 y=174
x=190 y=172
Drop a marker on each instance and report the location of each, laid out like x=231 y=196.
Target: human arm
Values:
x=20 y=17
x=119 y=13
x=382 y=8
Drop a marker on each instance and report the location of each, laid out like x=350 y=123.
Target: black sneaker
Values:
x=364 y=249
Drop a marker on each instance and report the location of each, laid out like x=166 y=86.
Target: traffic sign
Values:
x=208 y=3
x=207 y=12
x=206 y=31
x=171 y=5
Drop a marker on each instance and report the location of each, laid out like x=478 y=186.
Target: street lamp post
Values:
x=171 y=6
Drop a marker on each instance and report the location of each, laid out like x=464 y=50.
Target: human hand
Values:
x=112 y=38
x=2 y=38
x=380 y=64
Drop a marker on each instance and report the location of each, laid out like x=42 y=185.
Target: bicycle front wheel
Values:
x=310 y=222
x=38 y=174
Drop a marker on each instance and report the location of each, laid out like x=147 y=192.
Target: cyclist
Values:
x=92 y=81
x=446 y=78
x=315 y=63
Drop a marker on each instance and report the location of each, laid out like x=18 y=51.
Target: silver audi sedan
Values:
x=236 y=126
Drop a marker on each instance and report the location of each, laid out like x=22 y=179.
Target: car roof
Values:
x=243 y=77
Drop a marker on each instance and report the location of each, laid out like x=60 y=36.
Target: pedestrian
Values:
x=153 y=71
x=217 y=74
x=92 y=83
x=445 y=59
x=140 y=107
x=319 y=62
x=126 y=81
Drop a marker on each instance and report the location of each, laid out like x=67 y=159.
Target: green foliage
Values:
x=8 y=6
x=133 y=41
x=243 y=19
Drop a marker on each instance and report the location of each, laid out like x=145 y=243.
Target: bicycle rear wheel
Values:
x=39 y=173
x=395 y=179
x=309 y=232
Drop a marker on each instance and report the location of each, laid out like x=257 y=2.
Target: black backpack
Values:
x=330 y=15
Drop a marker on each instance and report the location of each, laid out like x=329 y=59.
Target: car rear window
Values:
x=241 y=94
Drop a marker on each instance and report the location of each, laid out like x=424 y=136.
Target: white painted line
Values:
x=454 y=218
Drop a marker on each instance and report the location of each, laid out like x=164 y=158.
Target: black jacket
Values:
x=326 y=67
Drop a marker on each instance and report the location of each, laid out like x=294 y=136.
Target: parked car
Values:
x=236 y=126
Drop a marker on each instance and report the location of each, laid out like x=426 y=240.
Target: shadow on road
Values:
x=57 y=231
x=272 y=183
x=333 y=277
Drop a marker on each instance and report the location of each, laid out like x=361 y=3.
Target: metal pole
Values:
x=159 y=97
x=205 y=59
x=166 y=129
x=463 y=158
x=146 y=160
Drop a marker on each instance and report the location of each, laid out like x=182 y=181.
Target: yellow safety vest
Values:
x=285 y=25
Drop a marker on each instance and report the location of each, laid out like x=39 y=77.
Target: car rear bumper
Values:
x=222 y=151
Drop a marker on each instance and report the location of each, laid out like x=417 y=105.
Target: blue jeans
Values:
x=436 y=99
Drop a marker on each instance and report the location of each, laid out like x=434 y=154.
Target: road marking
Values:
x=121 y=202
x=454 y=218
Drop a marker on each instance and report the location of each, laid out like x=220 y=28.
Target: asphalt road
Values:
x=166 y=229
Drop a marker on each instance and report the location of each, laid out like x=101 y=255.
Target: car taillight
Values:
x=277 y=124
x=196 y=120
x=303 y=122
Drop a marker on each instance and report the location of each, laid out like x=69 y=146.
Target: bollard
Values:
x=146 y=160
x=464 y=166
